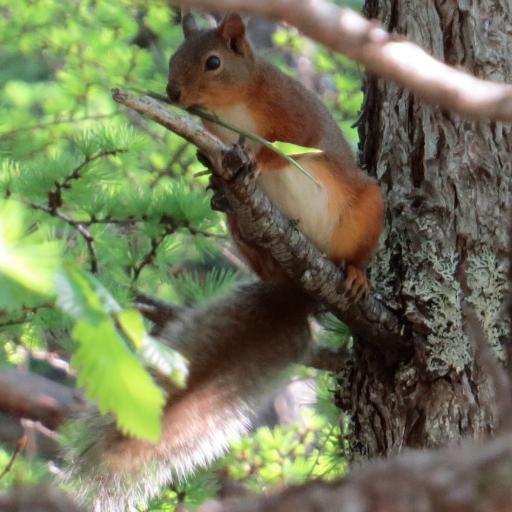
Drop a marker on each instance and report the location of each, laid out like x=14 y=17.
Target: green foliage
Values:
x=202 y=487
x=27 y=263
x=195 y=288
x=23 y=470
x=111 y=373
x=97 y=205
x=336 y=334
x=288 y=455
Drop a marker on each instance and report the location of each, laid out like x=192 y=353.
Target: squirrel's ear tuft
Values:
x=232 y=29
x=188 y=24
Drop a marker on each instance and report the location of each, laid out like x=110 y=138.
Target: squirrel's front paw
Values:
x=219 y=201
x=237 y=161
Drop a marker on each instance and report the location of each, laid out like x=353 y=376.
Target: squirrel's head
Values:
x=211 y=68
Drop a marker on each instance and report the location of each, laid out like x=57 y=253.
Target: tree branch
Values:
x=470 y=478
x=39 y=498
x=27 y=395
x=387 y=55
x=262 y=224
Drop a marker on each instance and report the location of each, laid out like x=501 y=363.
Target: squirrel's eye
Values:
x=212 y=63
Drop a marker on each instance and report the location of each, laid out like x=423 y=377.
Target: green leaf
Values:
x=110 y=372
x=290 y=149
x=133 y=326
x=155 y=354
x=30 y=264
x=76 y=295
x=116 y=379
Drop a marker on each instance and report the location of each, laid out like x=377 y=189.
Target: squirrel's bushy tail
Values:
x=237 y=347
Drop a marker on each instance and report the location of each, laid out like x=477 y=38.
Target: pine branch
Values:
x=262 y=224
x=78 y=226
x=75 y=174
x=56 y=122
x=55 y=195
x=28 y=311
x=151 y=255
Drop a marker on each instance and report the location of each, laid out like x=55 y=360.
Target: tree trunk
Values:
x=447 y=184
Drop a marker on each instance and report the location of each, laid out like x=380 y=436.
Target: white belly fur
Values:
x=238 y=116
x=290 y=190
x=295 y=195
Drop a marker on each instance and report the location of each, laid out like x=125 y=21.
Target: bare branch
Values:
x=470 y=478
x=37 y=499
x=262 y=224
x=384 y=54
x=27 y=395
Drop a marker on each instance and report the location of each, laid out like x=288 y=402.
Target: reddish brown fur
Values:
x=282 y=109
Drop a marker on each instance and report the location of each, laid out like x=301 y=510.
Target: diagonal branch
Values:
x=265 y=226
x=387 y=55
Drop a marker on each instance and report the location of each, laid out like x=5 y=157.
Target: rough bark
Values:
x=447 y=183
x=471 y=478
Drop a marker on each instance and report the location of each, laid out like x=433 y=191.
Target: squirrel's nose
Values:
x=173 y=92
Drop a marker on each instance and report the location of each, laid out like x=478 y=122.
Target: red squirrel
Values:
x=237 y=346
x=218 y=70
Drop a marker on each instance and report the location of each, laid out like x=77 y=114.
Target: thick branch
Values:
x=262 y=224
x=30 y=396
x=384 y=54
x=471 y=478
x=37 y=499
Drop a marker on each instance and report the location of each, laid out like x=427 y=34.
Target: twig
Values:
x=75 y=174
x=20 y=446
x=387 y=55
x=244 y=134
x=151 y=255
x=79 y=226
x=45 y=124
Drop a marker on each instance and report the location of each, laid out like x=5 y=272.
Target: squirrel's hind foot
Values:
x=356 y=285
